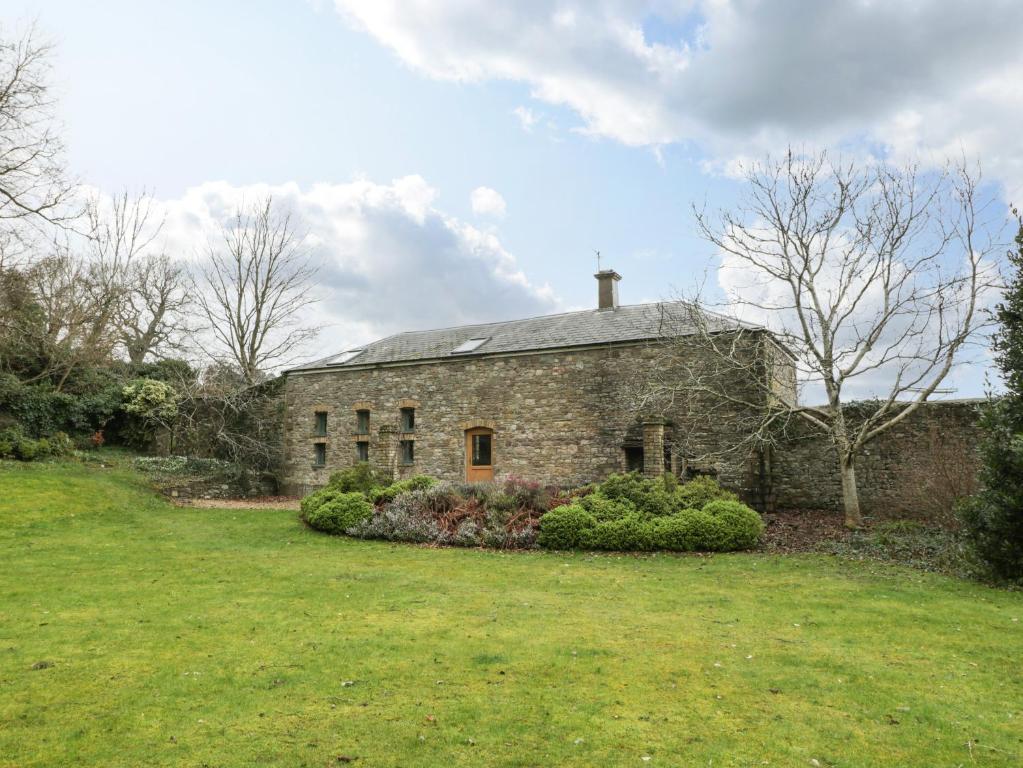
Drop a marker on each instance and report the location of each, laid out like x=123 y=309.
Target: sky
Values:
x=456 y=161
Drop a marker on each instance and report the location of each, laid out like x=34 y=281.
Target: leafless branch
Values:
x=251 y=288
x=853 y=271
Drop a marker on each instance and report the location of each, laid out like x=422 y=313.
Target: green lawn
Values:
x=231 y=638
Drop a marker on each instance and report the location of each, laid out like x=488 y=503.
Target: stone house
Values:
x=555 y=399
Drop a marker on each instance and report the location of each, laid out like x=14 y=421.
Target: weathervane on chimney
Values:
x=598 y=260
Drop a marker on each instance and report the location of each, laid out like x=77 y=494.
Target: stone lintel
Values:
x=477 y=424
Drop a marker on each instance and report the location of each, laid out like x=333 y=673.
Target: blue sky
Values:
x=638 y=109
x=169 y=95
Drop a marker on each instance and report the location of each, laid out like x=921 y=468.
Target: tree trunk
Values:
x=850 y=494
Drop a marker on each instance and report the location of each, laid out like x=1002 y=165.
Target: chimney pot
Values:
x=607 y=289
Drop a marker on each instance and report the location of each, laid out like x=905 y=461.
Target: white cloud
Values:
x=488 y=202
x=390 y=261
x=740 y=76
x=756 y=296
x=528 y=119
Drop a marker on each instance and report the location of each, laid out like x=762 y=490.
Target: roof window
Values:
x=344 y=357
x=470 y=346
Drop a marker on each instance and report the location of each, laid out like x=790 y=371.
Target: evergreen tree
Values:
x=993 y=519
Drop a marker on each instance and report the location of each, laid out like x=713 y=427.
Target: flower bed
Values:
x=623 y=513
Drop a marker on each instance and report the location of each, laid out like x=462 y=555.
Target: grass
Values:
x=193 y=637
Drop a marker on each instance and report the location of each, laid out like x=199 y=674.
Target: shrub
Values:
x=699 y=492
x=405 y=519
x=526 y=494
x=42 y=411
x=360 y=478
x=992 y=525
x=676 y=533
x=650 y=497
x=741 y=526
x=61 y=444
x=602 y=508
x=468 y=515
x=316 y=499
x=339 y=513
x=26 y=449
x=9 y=439
x=702 y=531
x=720 y=527
x=14 y=444
x=415 y=483
x=566 y=527
x=993 y=520
x=631 y=533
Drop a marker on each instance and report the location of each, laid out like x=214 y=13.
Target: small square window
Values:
x=408 y=419
x=362 y=451
x=321 y=423
x=319 y=454
x=408 y=452
x=362 y=422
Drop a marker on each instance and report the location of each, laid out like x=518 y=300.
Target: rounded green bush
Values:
x=704 y=531
x=337 y=515
x=650 y=497
x=316 y=499
x=361 y=477
x=699 y=492
x=676 y=533
x=602 y=508
x=414 y=483
x=26 y=449
x=742 y=525
x=631 y=533
x=566 y=527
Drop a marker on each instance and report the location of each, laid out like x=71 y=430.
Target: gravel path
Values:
x=261 y=502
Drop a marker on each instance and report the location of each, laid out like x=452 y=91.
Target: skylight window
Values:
x=344 y=357
x=470 y=346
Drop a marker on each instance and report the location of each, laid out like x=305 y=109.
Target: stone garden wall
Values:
x=184 y=478
x=916 y=469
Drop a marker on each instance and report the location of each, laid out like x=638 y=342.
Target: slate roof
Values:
x=635 y=322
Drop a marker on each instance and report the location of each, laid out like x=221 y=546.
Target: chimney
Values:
x=607 y=289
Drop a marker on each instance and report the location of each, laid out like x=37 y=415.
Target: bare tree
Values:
x=251 y=288
x=152 y=317
x=33 y=184
x=121 y=230
x=75 y=328
x=868 y=277
x=143 y=294
x=89 y=296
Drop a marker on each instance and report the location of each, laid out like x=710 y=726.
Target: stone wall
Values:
x=185 y=488
x=561 y=417
x=566 y=417
x=914 y=469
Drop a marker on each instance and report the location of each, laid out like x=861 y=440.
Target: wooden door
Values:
x=479 y=455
